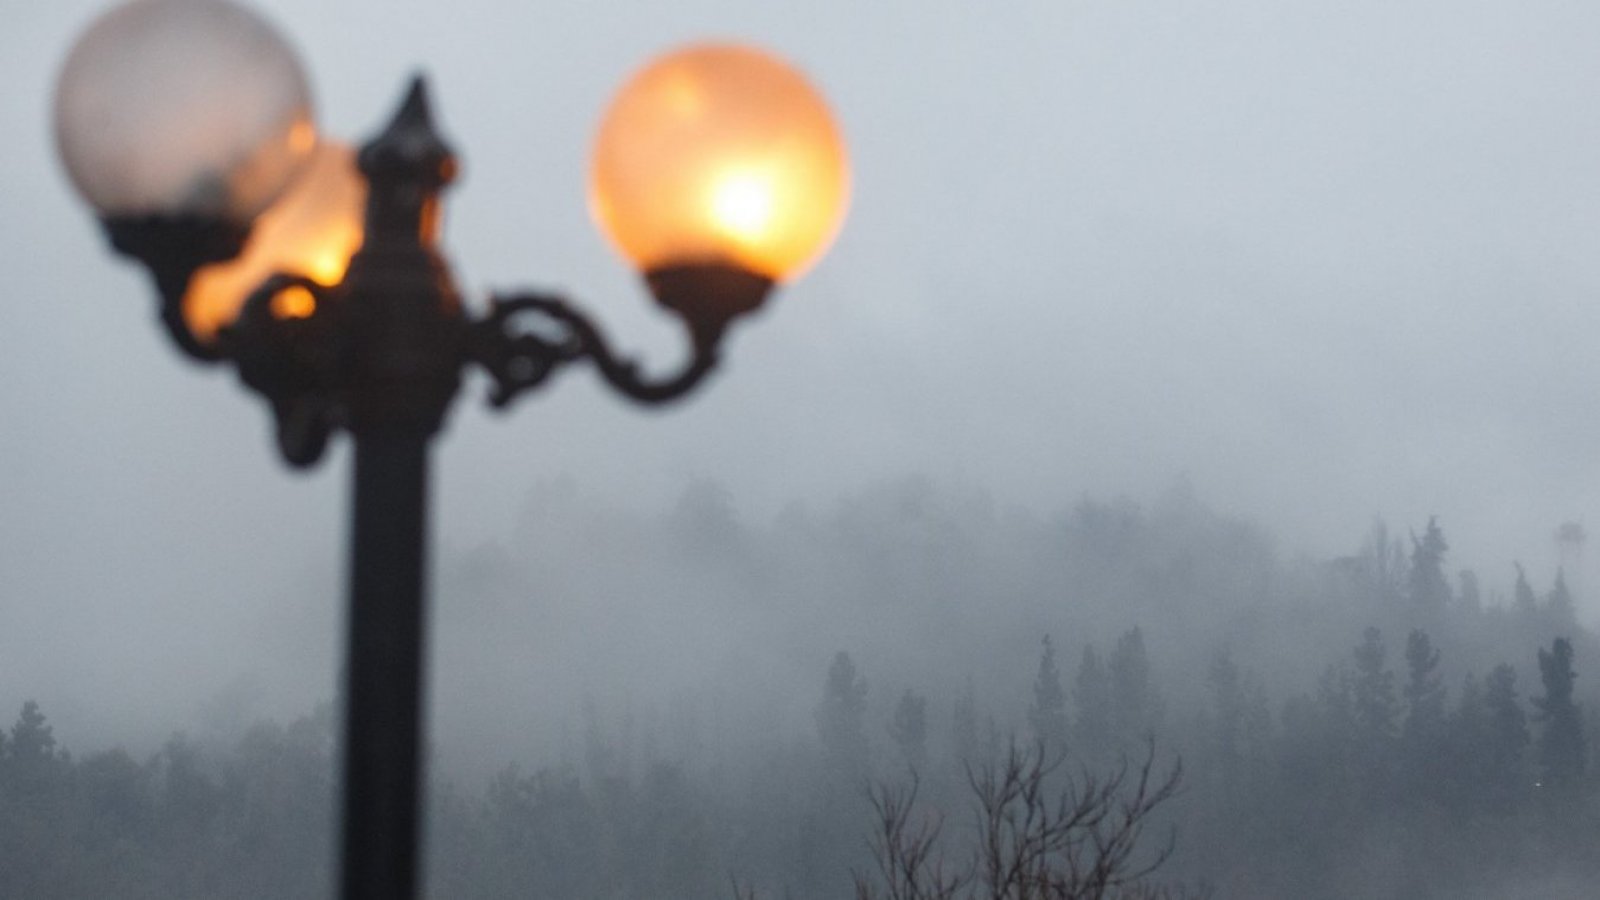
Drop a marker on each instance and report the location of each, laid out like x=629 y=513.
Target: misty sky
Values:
x=1325 y=260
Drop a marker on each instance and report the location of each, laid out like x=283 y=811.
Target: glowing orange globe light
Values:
x=312 y=231
x=719 y=154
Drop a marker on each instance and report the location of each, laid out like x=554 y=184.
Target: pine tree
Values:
x=1318 y=749
x=1466 y=749
x=1136 y=710
x=1375 y=707
x=1047 y=714
x=1092 y=692
x=1423 y=732
x=34 y=766
x=1382 y=561
x=1424 y=694
x=1428 y=588
x=1523 y=599
x=1228 y=702
x=1506 y=740
x=1374 y=710
x=1559 y=606
x=32 y=738
x=840 y=718
x=1561 y=743
x=909 y=729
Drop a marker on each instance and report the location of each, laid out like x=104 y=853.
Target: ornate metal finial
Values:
x=410 y=148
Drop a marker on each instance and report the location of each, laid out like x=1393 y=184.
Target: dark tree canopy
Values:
x=1426 y=584
x=1506 y=740
x=1559 y=604
x=841 y=717
x=1423 y=733
x=1424 y=692
x=909 y=729
x=1047 y=713
x=1561 y=742
x=1522 y=594
x=1135 y=706
x=1375 y=706
x=1092 y=692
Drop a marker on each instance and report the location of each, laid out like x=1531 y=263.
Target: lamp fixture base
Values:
x=163 y=241
x=707 y=296
x=173 y=248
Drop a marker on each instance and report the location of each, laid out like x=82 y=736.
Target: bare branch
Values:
x=1039 y=836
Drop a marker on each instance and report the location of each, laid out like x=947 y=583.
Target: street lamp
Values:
x=315 y=272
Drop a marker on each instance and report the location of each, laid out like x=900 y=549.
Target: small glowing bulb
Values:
x=742 y=204
x=293 y=302
x=328 y=265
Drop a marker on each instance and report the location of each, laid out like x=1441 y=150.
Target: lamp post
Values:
x=187 y=125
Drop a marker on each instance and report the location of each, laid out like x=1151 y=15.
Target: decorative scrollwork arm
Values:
x=517 y=361
x=521 y=360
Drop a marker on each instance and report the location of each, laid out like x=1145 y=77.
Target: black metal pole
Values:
x=383 y=712
x=380 y=356
x=401 y=322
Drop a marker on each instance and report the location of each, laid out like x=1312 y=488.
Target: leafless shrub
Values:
x=907 y=853
x=1081 y=840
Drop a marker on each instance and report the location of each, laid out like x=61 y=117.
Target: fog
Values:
x=1245 y=277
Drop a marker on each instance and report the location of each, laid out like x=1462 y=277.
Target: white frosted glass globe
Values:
x=182 y=107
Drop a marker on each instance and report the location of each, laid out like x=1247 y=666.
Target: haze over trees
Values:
x=1367 y=726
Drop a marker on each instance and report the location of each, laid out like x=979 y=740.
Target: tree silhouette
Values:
x=1505 y=779
x=1422 y=734
x=1374 y=710
x=1561 y=743
x=1523 y=599
x=1559 y=605
x=1135 y=707
x=1092 y=692
x=840 y=718
x=1047 y=714
x=1375 y=706
x=1426 y=584
x=909 y=729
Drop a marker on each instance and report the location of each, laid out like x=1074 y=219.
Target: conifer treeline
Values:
x=1403 y=759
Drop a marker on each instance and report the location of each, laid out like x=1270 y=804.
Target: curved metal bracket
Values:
x=521 y=360
x=706 y=298
x=517 y=361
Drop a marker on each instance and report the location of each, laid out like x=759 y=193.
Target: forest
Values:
x=1381 y=724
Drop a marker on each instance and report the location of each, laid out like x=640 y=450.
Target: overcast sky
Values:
x=1326 y=260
